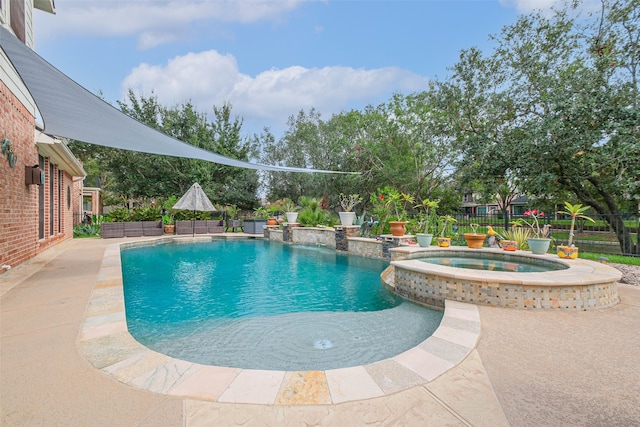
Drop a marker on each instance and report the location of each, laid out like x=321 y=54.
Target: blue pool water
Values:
x=493 y=264
x=263 y=305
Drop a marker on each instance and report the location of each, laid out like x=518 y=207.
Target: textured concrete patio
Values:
x=529 y=368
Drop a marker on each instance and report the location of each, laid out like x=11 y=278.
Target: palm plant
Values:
x=576 y=211
x=427 y=205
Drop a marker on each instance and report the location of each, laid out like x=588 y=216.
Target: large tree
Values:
x=555 y=109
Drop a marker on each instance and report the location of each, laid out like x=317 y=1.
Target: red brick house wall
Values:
x=19 y=233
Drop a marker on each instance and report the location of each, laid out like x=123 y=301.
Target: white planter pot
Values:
x=292 y=217
x=346 y=218
x=424 y=240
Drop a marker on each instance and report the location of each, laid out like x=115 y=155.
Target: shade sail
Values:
x=195 y=199
x=70 y=111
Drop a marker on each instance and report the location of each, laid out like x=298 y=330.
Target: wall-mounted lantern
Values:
x=6 y=150
x=33 y=175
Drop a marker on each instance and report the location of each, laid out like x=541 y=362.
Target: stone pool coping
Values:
x=105 y=342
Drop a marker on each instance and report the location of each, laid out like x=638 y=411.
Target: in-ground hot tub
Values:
x=568 y=285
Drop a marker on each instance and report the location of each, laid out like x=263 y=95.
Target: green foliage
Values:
x=287 y=205
x=86 y=230
x=146 y=213
x=552 y=110
x=312 y=214
x=519 y=234
x=444 y=224
x=618 y=259
x=576 y=211
x=429 y=214
x=349 y=201
x=167 y=219
x=97 y=219
x=169 y=203
x=119 y=215
x=261 y=212
x=231 y=211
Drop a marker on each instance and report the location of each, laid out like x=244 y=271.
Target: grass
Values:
x=617 y=259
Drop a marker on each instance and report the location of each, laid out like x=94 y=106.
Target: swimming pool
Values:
x=263 y=305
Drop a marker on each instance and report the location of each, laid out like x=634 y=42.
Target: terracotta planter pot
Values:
x=444 y=242
x=509 y=245
x=169 y=228
x=271 y=221
x=398 y=228
x=475 y=240
x=570 y=252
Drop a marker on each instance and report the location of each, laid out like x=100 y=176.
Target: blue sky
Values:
x=269 y=59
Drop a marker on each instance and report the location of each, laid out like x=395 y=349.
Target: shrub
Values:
x=519 y=234
x=119 y=215
x=86 y=230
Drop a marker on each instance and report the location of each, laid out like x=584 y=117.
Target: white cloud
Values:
x=210 y=78
x=526 y=6
x=153 y=22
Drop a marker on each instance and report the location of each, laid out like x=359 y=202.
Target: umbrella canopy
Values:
x=195 y=199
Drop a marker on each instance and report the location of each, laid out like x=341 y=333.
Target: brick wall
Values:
x=19 y=202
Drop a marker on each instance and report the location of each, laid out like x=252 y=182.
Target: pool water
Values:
x=264 y=305
x=488 y=264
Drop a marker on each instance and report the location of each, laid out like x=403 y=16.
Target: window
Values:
x=17 y=16
x=60 y=176
x=3 y=12
x=87 y=204
x=51 y=198
x=41 y=201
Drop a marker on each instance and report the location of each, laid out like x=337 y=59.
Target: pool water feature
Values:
x=495 y=263
x=261 y=305
x=562 y=285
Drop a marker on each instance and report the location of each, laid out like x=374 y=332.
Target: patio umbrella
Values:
x=195 y=199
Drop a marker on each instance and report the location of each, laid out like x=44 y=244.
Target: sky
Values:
x=268 y=59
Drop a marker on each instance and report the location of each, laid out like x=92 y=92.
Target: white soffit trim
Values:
x=45 y=5
x=70 y=111
x=59 y=154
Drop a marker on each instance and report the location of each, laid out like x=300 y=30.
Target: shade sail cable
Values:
x=69 y=110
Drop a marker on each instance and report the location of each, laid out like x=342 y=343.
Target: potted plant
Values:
x=512 y=239
x=289 y=209
x=474 y=239
x=540 y=241
x=445 y=220
x=424 y=239
x=271 y=215
x=348 y=202
x=576 y=211
x=395 y=201
x=168 y=223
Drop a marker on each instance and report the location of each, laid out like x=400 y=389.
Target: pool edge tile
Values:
x=304 y=388
x=254 y=386
x=205 y=383
x=354 y=383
